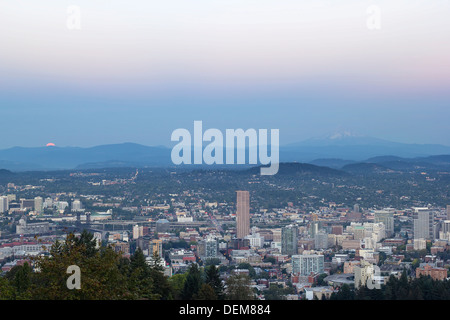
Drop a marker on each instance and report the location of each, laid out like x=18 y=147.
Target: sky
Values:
x=134 y=71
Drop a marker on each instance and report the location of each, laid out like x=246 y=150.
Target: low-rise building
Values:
x=433 y=272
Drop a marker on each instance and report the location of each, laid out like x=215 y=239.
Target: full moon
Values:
x=50 y=144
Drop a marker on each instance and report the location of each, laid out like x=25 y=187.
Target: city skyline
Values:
x=135 y=133
x=312 y=236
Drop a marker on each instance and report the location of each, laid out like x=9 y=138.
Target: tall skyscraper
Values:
x=321 y=240
x=448 y=212
x=242 y=214
x=387 y=218
x=4 y=204
x=423 y=224
x=138 y=231
x=38 y=204
x=289 y=240
x=314 y=227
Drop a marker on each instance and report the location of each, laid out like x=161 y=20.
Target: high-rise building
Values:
x=375 y=231
x=138 y=231
x=304 y=264
x=48 y=203
x=242 y=214
x=289 y=240
x=276 y=234
x=387 y=218
x=4 y=204
x=367 y=271
x=314 y=228
x=448 y=212
x=157 y=247
x=444 y=233
x=423 y=224
x=61 y=205
x=321 y=240
x=26 y=204
x=358 y=232
x=162 y=225
x=77 y=205
x=208 y=248
x=256 y=240
x=38 y=204
x=337 y=229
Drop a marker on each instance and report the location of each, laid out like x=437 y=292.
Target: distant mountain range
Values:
x=114 y=155
x=353 y=147
x=337 y=151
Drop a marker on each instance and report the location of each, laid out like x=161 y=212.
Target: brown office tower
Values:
x=242 y=214
x=337 y=229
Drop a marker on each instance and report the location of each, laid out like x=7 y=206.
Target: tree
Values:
x=7 y=291
x=213 y=279
x=160 y=281
x=101 y=278
x=251 y=270
x=177 y=284
x=87 y=240
x=20 y=281
x=238 y=288
x=345 y=293
x=382 y=258
x=192 y=284
x=272 y=260
x=212 y=261
x=206 y=292
x=415 y=264
x=320 y=279
x=139 y=277
x=275 y=292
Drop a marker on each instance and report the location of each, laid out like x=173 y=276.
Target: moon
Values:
x=50 y=144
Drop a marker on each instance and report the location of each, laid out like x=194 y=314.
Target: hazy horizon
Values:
x=325 y=136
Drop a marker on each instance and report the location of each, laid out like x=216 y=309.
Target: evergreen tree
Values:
x=192 y=284
x=7 y=291
x=345 y=293
x=160 y=281
x=20 y=279
x=101 y=278
x=177 y=284
x=213 y=279
x=87 y=240
x=140 y=280
x=206 y=292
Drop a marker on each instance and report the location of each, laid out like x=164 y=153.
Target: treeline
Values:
x=106 y=275
x=422 y=288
